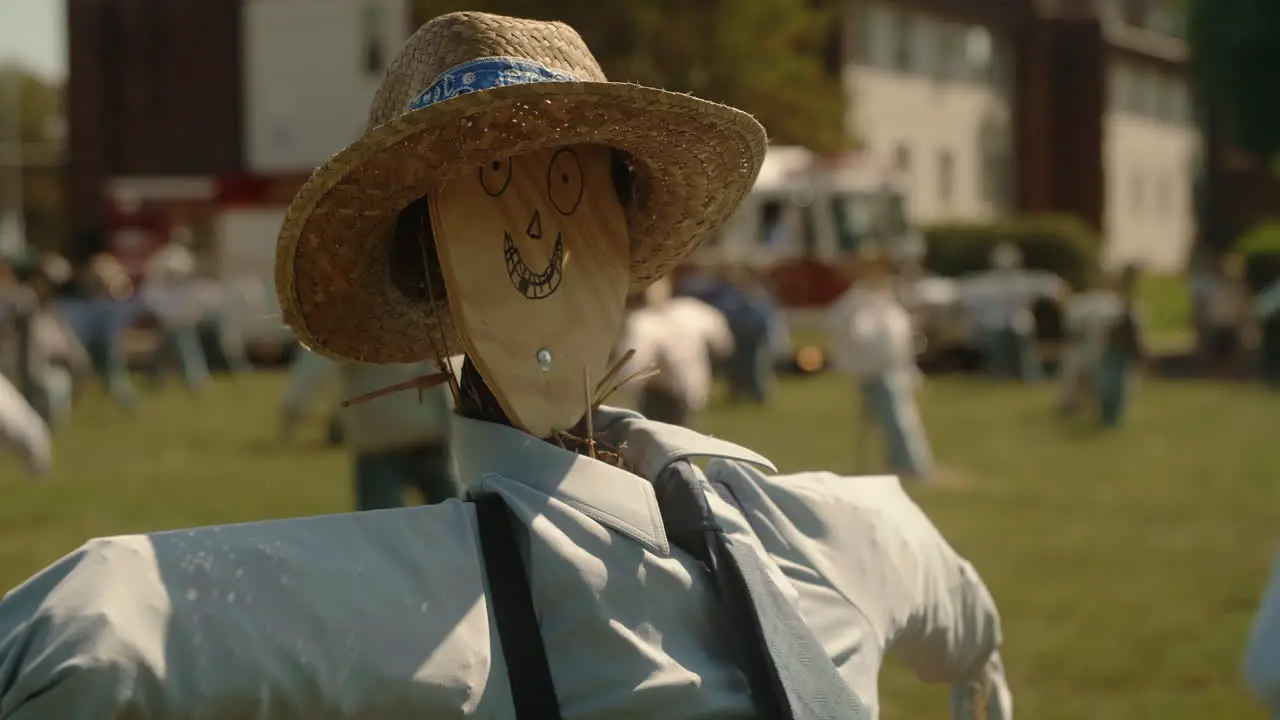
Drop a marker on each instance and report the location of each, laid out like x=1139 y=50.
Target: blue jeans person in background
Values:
x=181 y=344
x=383 y=477
x=890 y=402
x=750 y=368
x=100 y=323
x=1113 y=386
x=1007 y=352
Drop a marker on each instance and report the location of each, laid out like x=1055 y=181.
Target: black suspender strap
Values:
x=532 y=689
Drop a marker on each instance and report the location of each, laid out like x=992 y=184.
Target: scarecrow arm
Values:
x=907 y=591
x=1262 y=658
x=255 y=621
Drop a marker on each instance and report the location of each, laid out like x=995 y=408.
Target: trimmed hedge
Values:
x=1260 y=248
x=1062 y=245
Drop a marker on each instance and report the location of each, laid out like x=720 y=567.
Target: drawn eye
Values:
x=496 y=176
x=564 y=181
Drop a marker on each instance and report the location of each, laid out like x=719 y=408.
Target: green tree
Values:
x=1236 y=56
x=42 y=177
x=763 y=56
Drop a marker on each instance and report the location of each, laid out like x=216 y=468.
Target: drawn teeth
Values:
x=534 y=286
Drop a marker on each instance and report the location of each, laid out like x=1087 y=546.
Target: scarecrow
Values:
x=875 y=343
x=1006 y=321
x=504 y=201
x=1124 y=350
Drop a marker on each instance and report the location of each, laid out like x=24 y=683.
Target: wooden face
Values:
x=536 y=264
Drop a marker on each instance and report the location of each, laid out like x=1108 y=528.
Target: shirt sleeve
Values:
x=946 y=626
x=353 y=615
x=864 y=541
x=1262 y=656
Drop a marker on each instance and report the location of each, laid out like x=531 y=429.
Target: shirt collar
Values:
x=621 y=500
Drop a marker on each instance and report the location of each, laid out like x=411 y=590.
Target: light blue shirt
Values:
x=1262 y=658
x=385 y=614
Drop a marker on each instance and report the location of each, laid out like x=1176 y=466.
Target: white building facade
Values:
x=1151 y=153
x=935 y=97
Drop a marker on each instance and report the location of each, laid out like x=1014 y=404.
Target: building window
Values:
x=1180 y=102
x=1118 y=88
x=1152 y=92
x=865 y=45
x=995 y=165
x=977 y=52
x=902 y=159
x=902 y=165
x=929 y=58
x=875 y=35
x=996 y=178
x=946 y=176
x=950 y=51
x=904 y=56
x=1164 y=196
x=1000 y=72
x=1138 y=192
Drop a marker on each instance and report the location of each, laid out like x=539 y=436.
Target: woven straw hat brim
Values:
x=694 y=161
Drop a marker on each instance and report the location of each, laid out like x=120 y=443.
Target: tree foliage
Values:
x=763 y=56
x=41 y=116
x=1236 y=56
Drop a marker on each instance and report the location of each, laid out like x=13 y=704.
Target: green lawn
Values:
x=1126 y=565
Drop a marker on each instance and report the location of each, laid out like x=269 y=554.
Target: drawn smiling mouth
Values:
x=534 y=285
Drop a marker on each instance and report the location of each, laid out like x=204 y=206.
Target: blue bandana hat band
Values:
x=486 y=74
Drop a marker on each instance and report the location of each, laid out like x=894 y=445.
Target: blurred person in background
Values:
x=400 y=440
x=759 y=333
x=1262 y=652
x=1267 y=309
x=221 y=325
x=680 y=337
x=874 y=343
x=1005 y=320
x=1088 y=314
x=52 y=361
x=1203 y=280
x=108 y=307
x=15 y=304
x=1124 y=350
x=169 y=292
x=1226 y=315
x=23 y=431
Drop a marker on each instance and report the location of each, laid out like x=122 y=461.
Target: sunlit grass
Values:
x=1127 y=565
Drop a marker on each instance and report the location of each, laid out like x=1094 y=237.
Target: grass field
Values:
x=1127 y=565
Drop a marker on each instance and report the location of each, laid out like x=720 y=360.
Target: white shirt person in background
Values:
x=1088 y=316
x=1005 y=317
x=23 y=431
x=170 y=292
x=873 y=341
x=680 y=338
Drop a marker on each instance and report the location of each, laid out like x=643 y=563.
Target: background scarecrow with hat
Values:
x=505 y=200
x=1006 y=323
x=874 y=341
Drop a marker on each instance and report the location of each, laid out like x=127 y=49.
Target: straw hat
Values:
x=466 y=90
